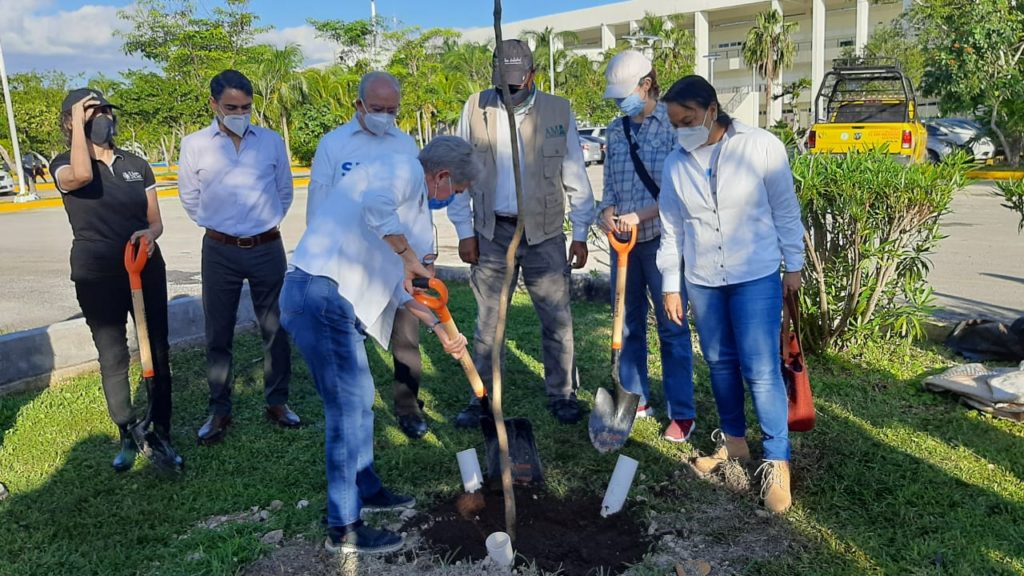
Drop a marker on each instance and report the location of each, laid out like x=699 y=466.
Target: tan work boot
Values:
x=726 y=448
x=775 y=485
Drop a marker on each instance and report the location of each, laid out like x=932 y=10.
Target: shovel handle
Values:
x=135 y=257
x=622 y=249
x=439 y=304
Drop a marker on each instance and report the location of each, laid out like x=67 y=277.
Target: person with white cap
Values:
x=553 y=174
x=638 y=143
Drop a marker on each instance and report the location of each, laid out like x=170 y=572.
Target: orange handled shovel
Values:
x=612 y=418
x=152 y=446
x=522 y=447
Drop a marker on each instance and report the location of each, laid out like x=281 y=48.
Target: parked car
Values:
x=596 y=131
x=966 y=134
x=6 y=183
x=939 y=144
x=593 y=150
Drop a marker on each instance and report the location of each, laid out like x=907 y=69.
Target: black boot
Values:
x=125 y=459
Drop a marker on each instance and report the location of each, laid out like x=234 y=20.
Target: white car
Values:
x=596 y=131
x=6 y=183
x=967 y=134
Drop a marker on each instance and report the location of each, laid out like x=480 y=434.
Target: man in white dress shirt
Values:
x=235 y=181
x=553 y=173
x=369 y=136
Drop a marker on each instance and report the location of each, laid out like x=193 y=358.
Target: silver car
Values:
x=593 y=150
x=963 y=133
x=6 y=183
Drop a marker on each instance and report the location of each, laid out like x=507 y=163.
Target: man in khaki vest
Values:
x=553 y=171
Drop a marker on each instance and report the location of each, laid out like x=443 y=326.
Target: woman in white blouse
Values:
x=729 y=211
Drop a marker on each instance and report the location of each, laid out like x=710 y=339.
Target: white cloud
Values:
x=315 y=50
x=89 y=29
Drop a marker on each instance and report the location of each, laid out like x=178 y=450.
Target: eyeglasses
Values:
x=429 y=259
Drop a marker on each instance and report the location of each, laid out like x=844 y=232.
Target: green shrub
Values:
x=870 y=225
x=1012 y=192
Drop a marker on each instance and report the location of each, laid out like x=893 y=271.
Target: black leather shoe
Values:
x=566 y=410
x=283 y=416
x=362 y=540
x=413 y=425
x=214 y=429
x=469 y=417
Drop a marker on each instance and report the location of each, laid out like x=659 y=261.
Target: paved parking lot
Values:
x=977 y=271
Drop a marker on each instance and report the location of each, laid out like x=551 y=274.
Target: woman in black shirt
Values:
x=110 y=199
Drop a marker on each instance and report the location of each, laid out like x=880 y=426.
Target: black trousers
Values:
x=225 y=267
x=405 y=349
x=106 y=304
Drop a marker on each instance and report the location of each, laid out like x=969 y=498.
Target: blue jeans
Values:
x=323 y=325
x=739 y=328
x=676 y=349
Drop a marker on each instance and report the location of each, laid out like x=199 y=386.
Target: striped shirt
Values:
x=623 y=188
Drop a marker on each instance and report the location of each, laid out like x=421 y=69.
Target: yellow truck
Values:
x=866 y=104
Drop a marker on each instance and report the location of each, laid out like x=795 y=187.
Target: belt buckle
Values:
x=245 y=242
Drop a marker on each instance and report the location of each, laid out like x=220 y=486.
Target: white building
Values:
x=825 y=28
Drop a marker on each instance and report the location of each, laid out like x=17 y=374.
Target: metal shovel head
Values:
x=522 y=451
x=157 y=450
x=612 y=418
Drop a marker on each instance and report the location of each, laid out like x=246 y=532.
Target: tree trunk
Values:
x=285 y=135
x=1011 y=157
x=419 y=127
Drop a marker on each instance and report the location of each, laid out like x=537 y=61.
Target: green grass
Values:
x=893 y=480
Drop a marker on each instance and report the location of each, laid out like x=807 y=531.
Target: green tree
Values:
x=974 y=63
x=769 y=48
x=157 y=111
x=36 y=98
x=549 y=59
x=186 y=46
x=893 y=41
x=278 y=87
x=672 y=45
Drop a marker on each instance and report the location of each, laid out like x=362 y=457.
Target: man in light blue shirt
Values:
x=234 y=180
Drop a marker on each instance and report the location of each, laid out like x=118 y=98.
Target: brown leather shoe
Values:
x=283 y=416
x=214 y=429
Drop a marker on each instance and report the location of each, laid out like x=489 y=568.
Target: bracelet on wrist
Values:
x=403 y=250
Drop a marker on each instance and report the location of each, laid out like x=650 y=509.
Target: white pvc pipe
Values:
x=499 y=549
x=469 y=467
x=618 y=487
x=10 y=123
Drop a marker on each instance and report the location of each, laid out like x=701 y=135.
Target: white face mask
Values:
x=237 y=123
x=378 y=122
x=693 y=137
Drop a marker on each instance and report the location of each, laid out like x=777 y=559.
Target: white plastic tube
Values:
x=618 y=487
x=469 y=467
x=499 y=549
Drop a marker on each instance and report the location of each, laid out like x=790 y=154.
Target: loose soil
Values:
x=566 y=535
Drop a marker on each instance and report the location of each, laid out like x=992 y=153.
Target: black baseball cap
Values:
x=518 y=63
x=78 y=93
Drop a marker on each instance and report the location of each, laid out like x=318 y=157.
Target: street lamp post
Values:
x=22 y=196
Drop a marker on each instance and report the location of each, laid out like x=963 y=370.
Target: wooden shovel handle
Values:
x=439 y=304
x=135 y=257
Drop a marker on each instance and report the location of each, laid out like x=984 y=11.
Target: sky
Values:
x=77 y=37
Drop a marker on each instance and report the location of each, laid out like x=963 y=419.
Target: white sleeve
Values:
x=670 y=210
x=321 y=178
x=460 y=211
x=778 y=181
x=577 y=185
x=188 y=183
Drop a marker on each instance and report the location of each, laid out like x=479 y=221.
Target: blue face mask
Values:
x=435 y=204
x=631 y=105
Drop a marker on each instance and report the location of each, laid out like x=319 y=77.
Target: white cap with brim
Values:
x=624 y=72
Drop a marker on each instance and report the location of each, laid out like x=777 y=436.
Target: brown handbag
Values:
x=794 y=369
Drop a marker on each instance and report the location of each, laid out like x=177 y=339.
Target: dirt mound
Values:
x=566 y=535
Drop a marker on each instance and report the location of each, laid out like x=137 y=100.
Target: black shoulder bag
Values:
x=638 y=165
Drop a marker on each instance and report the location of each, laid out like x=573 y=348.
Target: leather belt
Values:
x=246 y=242
x=508 y=219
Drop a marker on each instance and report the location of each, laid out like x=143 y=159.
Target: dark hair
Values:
x=696 y=90
x=230 y=79
x=655 y=87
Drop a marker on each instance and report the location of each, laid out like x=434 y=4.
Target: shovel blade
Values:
x=522 y=451
x=612 y=418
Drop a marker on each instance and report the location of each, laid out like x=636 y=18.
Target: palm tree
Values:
x=672 y=43
x=769 y=49
x=278 y=86
x=543 y=41
x=470 y=60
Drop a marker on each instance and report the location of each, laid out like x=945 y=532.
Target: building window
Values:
x=727 y=45
x=847 y=43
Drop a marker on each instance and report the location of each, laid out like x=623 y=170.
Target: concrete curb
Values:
x=38 y=358
x=41 y=357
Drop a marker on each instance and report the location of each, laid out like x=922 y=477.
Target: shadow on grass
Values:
x=896 y=480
